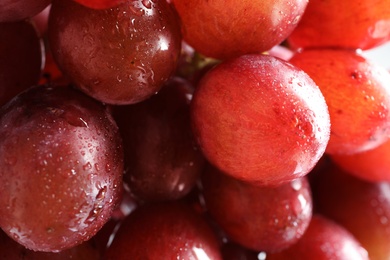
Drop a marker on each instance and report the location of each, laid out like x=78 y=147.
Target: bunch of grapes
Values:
x=202 y=129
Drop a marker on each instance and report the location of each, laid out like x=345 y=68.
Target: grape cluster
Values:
x=156 y=129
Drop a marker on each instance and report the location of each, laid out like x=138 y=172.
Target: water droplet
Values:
x=87 y=166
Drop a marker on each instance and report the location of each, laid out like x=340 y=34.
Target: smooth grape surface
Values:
x=372 y=165
x=225 y=29
x=349 y=24
x=260 y=119
x=357 y=93
x=162 y=159
x=260 y=218
x=20 y=58
x=121 y=55
x=61 y=166
x=164 y=231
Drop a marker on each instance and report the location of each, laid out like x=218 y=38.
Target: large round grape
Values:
x=224 y=29
x=61 y=166
x=121 y=55
x=260 y=119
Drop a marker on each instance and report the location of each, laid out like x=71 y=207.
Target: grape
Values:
x=357 y=94
x=363 y=208
x=121 y=55
x=17 y=10
x=323 y=240
x=248 y=214
x=21 y=58
x=162 y=159
x=61 y=165
x=225 y=29
x=361 y=24
x=372 y=165
x=164 y=231
x=260 y=119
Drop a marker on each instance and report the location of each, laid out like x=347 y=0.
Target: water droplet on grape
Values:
x=87 y=166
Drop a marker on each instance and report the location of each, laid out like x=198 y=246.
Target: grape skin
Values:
x=61 y=166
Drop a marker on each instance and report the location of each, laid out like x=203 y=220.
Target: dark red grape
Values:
x=21 y=58
x=259 y=218
x=260 y=119
x=17 y=10
x=61 y=166
x=121 y=55
x=161 y=155
x=164 y=231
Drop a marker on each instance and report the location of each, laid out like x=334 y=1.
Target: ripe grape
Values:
x=260 y=119
x=357 y=93
x=372 y=165
x=248 y=215
x=164 y=231
x=161 y=155
x=61 y=165
x=121 y=55
x=224 y=29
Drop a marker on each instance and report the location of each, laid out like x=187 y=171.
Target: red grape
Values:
x=372 y=165
x=248 y=214
x=21 y=58
x=164 y=231
x=121 y=55
x=61 y=166
x=224 y=29
x=162 y=159
x=260 y=119
x=358 y=97
x=350 y=24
